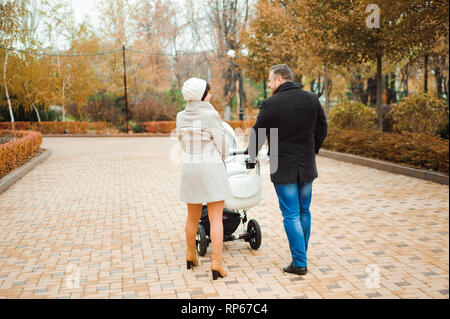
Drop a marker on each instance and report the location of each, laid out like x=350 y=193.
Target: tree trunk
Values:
x=386 y=87
x=379 y=94
x=242 y=95
x=393 y=90
x=390 y=88
x=229 y=88
x=425 y=80
x=238 y=100
x=371 y=91
x=439 y=78
x=37 y=112
x=11 y=114
x=446 y=90
x=357 y=86
x=325 y=88
x=405 y=80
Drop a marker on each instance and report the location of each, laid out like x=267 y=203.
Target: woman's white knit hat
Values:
x=193 y=89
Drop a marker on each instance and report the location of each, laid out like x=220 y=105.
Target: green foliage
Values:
x=174 y=97
x=104 y=106
x=136 y=127
x=444 y=131
x=351 y=115
x=27 y=114
x=420 y=113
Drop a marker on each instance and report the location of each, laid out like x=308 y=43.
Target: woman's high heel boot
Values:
x=191 y=257
x=216 y=267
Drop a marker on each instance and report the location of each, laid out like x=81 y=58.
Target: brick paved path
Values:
x=106 y=211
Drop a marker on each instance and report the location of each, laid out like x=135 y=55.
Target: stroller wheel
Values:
x=201 y=241
x=254 y=231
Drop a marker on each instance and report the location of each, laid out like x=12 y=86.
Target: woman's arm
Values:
x=218 y=135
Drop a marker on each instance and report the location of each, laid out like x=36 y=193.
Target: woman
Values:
x=203 y=178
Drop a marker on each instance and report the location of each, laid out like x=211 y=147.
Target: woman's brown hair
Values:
x=206 y=91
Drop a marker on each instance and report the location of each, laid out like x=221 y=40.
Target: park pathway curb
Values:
x=432 y=176
x=8 y=180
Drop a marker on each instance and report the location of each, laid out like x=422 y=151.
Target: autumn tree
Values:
x=153 y=29
x=261 y=39
x=286 y=32
x=361 y=38
x=225 y=19
x=10 y=14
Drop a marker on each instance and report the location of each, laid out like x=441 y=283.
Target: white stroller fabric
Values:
x=245 y=187
x=246 y=191
x=234 y=164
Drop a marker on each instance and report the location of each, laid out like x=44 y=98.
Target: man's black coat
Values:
x=302 y=128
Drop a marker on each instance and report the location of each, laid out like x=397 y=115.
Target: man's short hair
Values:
x=282 y=70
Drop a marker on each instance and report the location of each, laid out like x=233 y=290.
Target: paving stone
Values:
x=333 y=286
x=430 y=273
x=105 y=214
x=403 y=283
x=39 y=291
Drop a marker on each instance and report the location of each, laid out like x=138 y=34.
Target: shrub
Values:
x=159 y=127
x=388 y=120
x=17 y=125
x=104 y=106
x=98 y=127
x=76 y=127
x=420 y=113
x=15 y=153
x=173 y=97
x=351 y=115
x=61 y=127
x=412 y=149
x=242 y=124
x=136 y=127
x=49 y=127
x=152 y=109
x=444 y=131
x=169 y=126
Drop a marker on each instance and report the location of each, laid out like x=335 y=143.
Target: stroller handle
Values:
x=249 y=164
x=233 y=153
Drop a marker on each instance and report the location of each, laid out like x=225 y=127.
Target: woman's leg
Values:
x=215 y=212
x=194 y=214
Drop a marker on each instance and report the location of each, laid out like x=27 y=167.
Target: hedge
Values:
x=77 y=127
x=53 y=127
x=159 y=127
x=416 y=150
x=17 y=125
x=17 y=152
x=169 y=126
x=60 y=127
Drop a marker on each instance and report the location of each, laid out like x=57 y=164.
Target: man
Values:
x=300 y=122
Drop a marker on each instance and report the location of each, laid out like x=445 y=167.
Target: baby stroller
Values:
x=246 y=189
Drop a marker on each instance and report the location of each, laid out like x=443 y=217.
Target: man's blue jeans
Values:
x=294 y=200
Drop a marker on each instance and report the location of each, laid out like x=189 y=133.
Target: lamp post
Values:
x=125 y=86
x=232 y=55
